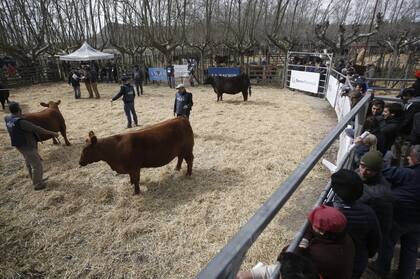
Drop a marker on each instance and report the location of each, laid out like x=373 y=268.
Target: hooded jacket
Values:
x=405 y=183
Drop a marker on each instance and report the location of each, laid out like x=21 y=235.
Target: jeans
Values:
x=94 y=86
x=33 y=163
x=76 y=92
x=139 y=84
x=129 y=110
x=409 y=236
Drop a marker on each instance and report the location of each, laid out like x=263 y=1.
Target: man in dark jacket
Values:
x=128 y=95
x=138 y=79
x=170 y=73
x=74 y=80
x=390 y=124
x=411 y=107
x=414 y=137
x=405 y=183
x=183 y=102
x=362 y=224
x=376 y=189
x=24 y=136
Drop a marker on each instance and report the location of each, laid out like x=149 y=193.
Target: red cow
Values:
x=50 y=119
x=151 y=147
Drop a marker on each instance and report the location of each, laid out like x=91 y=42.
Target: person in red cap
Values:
x=326 y=244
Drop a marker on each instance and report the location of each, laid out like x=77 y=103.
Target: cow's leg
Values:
x=245 y=94
x=2 y=103
x=189 y=160
x=55 y=141
x=64 y=134
x=178 y=165
x=135 y=180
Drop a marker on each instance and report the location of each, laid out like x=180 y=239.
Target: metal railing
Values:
x=227 y=262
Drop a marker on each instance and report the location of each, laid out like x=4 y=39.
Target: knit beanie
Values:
x=347 y=185
x=372 y=160
x=327 y=219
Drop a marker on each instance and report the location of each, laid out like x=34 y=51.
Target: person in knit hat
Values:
x=362 y=224
x=376 y=189
x=405 y=228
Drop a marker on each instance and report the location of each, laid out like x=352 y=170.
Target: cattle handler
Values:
x=24 y=136
x=183 y=102
x=128 y=95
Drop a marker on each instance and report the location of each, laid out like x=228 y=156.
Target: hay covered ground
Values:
x=87 y=223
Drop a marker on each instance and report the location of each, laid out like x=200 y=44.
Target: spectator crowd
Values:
x=375 y=206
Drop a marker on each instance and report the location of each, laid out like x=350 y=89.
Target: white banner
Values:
x=181 y=71
x=305 y=81
x=332 y=90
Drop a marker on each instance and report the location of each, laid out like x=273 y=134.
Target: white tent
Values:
x=86 y=53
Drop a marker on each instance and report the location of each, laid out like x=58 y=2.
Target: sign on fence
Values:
x=226 y=72
x=332 y=90
x=181 y=71
x=157 y=74
x=305 y=81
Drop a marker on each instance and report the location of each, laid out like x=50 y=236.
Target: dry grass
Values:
x=87 y=224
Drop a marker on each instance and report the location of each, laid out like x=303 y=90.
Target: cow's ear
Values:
x=58 y=102
x=43 y=104
x=93 y=140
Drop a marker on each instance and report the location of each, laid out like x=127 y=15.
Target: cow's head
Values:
x=209 y=80
x=90 y=153
x=51 y=104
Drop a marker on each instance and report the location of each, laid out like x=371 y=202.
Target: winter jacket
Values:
x=415 y=130
x=389 y=129
x=363 y=227
x=183 y=103
x=127 y=93
x=138 y=75
x=405 y=183
x=410 y=109
x=377 y=195
x=23 y=133
x=332 y=254
x=74 y=79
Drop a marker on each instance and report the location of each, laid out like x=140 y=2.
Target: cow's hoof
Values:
x=177 y=168
x=68 y=143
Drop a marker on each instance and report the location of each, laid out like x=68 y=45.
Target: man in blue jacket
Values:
x=128 y=95
x=24 y=136
x=405 y=183
x=183 y=102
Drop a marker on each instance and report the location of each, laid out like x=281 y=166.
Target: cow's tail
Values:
x=249 y=90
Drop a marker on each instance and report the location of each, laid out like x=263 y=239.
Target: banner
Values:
x=226 y=72
x=305 y=81
x=332 y=90
x=157 y=74
x=181 y=71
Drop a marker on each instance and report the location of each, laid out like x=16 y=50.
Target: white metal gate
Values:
x=308 y=71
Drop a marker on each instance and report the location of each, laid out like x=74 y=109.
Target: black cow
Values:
x=230 y=85
x=4 y=95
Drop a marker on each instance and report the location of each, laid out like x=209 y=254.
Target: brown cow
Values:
x=151 y=147
x=50 y=119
